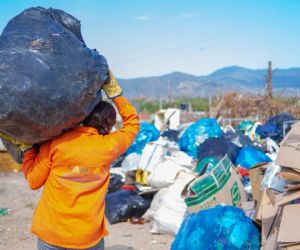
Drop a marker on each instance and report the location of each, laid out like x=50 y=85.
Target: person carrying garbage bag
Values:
x=74 y=170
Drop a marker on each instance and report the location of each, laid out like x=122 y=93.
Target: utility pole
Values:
x=269 y=90
x=269 y=85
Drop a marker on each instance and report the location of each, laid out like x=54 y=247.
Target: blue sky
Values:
x=155 y=37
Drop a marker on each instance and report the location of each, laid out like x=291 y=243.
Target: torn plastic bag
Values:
x=217 y=228
x=197 y=133
x=49 y=80
x=123 y=205
x=148 y=132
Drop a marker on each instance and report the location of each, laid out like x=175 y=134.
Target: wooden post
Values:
x=269 y=81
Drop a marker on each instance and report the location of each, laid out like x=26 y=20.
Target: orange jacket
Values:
x=74 y=168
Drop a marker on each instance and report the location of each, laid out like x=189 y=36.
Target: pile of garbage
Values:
x=210 y=171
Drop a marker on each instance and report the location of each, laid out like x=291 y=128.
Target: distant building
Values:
x=186 y=106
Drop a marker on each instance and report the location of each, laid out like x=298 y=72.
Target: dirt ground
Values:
x=14 y=228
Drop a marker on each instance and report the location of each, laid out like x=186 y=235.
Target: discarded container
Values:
x=217 y=228
x=220 y=186
x=148 y=132
x=197 y=133
x=6 y=211
x=137 y=220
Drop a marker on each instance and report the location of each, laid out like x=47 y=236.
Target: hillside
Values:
x=234 y=78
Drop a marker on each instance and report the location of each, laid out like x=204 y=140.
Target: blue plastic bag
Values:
x=222 y=227
x=148 y=132
x=249 y=157
x=197 y=133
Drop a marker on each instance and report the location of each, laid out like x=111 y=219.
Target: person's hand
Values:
x=22 y=146
x=112 y=88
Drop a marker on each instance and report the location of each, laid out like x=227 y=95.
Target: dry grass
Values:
x=234 y=105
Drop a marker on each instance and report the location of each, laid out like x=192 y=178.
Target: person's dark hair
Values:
x=102 y=118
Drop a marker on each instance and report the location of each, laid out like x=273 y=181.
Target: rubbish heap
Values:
x=221 y=180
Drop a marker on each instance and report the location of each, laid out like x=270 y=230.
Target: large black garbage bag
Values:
x=218 y=148
x=276 y=126
x=49 y=80
x=123 y=205
x=115 y=183
x=242 y=141
x=211 y=151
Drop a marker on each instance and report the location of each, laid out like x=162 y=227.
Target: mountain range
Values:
x=286 y=82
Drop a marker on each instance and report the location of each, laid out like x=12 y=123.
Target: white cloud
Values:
x=144 y=18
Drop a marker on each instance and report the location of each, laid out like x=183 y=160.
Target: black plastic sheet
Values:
x=49 y=80
x=115 y=183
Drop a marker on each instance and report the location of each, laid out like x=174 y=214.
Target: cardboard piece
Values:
x=263 y=200
x=291 y=247
x=271 y=243
x=222 y=185
x=289 y=232
x=293 y=187
x=289 y=152
x=289 y=174
x=270 y=240
x=278 y=199
x=256 y=176
x=268 y=213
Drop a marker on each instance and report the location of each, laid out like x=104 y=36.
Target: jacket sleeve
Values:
x=36 y=166
x=121 y=139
